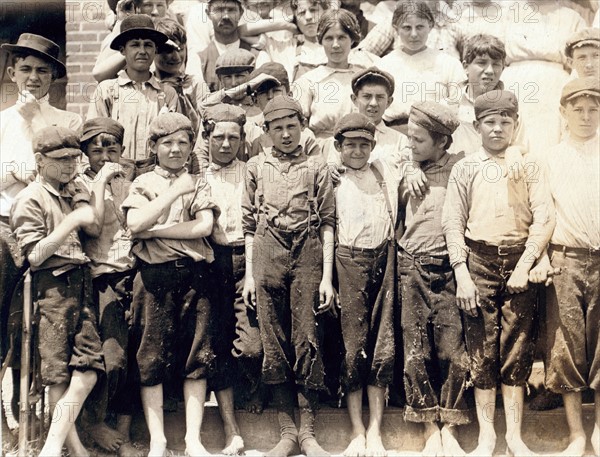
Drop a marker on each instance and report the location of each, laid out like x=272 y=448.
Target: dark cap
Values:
x=167 y=123
x=278 y=73
x=56 y=142
x=39 y=46
x=224 y=112
x=373 y=73
x=236 y=1
x=355 y=125
x=281 y=106
x=434 y=117
x=589 y=36
x=98 y=125
x=138 y=26
x=496 y=102
x=580 y=87
x=234 y=61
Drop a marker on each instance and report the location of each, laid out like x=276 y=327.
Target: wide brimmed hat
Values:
x=41 y=47
x=138 y=26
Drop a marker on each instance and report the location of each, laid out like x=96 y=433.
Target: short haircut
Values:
x=16 y=55
x=438 y=137
x=324 y=4
x=345 y=19
x=410 y=8
x=299 y=116
x=239 y=5
x=482 y=44
x=173 y=30
x=372 y=79
x=104 y=139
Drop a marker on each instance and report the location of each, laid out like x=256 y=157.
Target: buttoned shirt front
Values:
x=285 y=187
x=135 y=105
x=146 y=188
x=484 y=204
x=227 y=187
x=16 y=152
x=38 y=210
x=574 y=175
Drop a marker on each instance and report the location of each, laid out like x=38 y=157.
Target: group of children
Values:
x=180 y=254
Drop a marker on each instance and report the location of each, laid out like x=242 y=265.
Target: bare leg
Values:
x=104 y=436
x=485 y=404
x=573 y=411
x=194 y=393
x=596 y=432
x=450 y=442
x=433 y=440
x=376 y=405
x=514 y=398
x=234 y=444
x=126 y=449
x=68 y=403
x=152 y=402
x=358 y=444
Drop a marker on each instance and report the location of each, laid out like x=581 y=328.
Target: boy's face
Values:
x=372 y=100
x=32 y=74
x=172 y=150
x=171 y=60
x=225 y=16
x=225 y=141
x=484 y=72
x=139 y=53
x=496 y=132
x=586 y=61
x=153 y=8
x=414 y=32
x=98 y=154
x=422 y=144
x=261 y=7
x=582 y=118
x=233 y=80
x=56 y=171
x=355 y=152
x=285 y=133
x=262 y=98
x=307 y=17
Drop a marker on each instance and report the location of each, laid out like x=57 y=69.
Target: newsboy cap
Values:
x=434 y=117
x=579 y=87
x=56 y=142
x=496 y=102
x=167 y=123
x=98 y=125
x=584 y=37
x=234 y=61
x=355 y=125
x=281 y=106
x=370 y=74
x=224 y=112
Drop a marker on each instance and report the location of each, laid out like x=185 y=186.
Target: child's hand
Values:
x=467 y=295
x=184 y=184
x=543 y=272
x=109 y=170
x=84 y=216
x=518 y=281
x=335 y=172
x=30 y=107
x=258 y=80
x=416 y=181
x=328 y=299
x=249 y=293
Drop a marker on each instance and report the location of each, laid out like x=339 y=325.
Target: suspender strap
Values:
x=388 y=204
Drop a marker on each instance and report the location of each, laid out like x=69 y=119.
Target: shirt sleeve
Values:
x=249 y=209
x=27 y=222
x=203 y=199
x=99 y=103
x=455 y=214
x=139 y=195
x=325 y=196
x=379 y=39
x=305 y=95
x=541 y=204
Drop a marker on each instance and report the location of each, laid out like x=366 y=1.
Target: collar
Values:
x=292 y=155
x=582 y=146
x=90 y=173
x=381 y=127
x=465 y=89
x=63 y=189
x=222 y=48
x=45 y=100
x=123 y=79
x=167 y=174
x=215 y=167
x=440 y=163
x=483 y=155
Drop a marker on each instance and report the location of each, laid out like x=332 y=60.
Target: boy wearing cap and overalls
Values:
x=170 y=213
x=135 y=98
x=288 y=221
x=112 y=267
x=497 y=219
x=46 y=217
x=365 y=266
x=573 y=297
x=435 y=359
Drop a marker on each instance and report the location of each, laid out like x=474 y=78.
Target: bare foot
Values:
x=375 y=444
x=194 y=448
x=485 y=446
x=234 y=445
x=157 y=448
x=284 y=448
x=129 y=450
x=576 y=446
x=516 y=447
x=310 y=448
x=596 y=440
x=105 y=437
x=255 y=403
x=450 y=443
x=357 y=447
x=75 y=446
x=433 y=445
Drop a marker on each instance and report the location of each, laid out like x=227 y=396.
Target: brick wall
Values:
x=85 y=30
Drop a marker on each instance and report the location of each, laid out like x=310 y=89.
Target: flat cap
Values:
x=167 y=123
x=281 y=106
x=98 y=125
x=496 y=102
x=224 y=112
x=579 y=87
x=56 y=142
x=234 y=61
x=274 y=69
x=373 y=74
x=434 y=117
x=138 y=26
x=584 y=37
x=355 y=125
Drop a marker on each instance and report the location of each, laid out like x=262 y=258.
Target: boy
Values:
x=435 y=363
x=238 y=334
x=583 y=53
x=365 y=260
x=288 y=219
x=572 y=300
x=135 y=98
x=170 y=213
x=112 y=268
x=46 y=217
x=496 y=225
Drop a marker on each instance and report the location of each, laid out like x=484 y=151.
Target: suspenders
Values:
x=388 y=204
